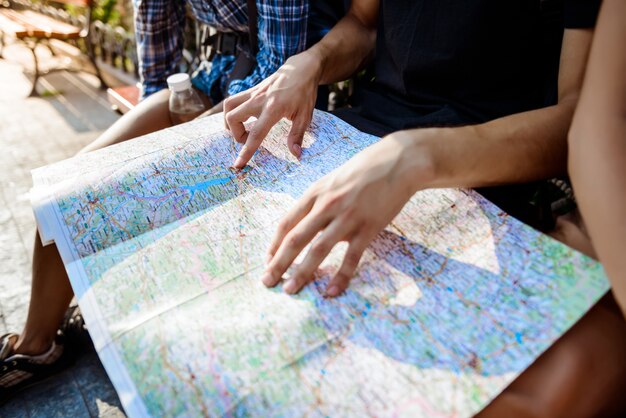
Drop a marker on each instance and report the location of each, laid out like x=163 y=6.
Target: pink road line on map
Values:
x=196 y=267
x=222 y=389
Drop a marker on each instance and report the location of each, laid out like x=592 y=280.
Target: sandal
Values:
x=74 y=330
x=19 y=371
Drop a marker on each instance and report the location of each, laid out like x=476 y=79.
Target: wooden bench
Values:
x=34 y=28
x=123 y=98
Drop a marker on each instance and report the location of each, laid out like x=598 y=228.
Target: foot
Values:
x=18 y=371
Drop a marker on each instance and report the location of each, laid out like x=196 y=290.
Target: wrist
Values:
x=317 y=56
x=416 y=163
x=309 y=65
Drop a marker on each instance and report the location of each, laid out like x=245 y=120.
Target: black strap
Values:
x=246 y=59
x=253 y=29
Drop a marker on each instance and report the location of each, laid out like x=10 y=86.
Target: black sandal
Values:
x=75 y=330
x=19 y=371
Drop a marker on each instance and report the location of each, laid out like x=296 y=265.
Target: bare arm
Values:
x=360 y=198
x=349 y=45
x=291 y=91
x=597 y=140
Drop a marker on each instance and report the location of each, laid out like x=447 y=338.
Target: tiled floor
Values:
x=34 y=132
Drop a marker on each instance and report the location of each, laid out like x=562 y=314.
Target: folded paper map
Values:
x=164 y=246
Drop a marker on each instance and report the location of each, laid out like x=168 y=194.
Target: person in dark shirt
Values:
x=466 y=94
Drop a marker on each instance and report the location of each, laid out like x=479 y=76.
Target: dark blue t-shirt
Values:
x=457 y=62
x=460 y=62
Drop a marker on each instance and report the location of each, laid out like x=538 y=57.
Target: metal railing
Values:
x=115 y=46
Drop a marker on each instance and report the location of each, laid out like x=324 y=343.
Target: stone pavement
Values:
x=34 y=132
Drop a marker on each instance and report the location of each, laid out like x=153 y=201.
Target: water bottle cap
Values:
x=179 y=82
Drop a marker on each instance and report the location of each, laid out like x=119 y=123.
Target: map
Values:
x=164 y=245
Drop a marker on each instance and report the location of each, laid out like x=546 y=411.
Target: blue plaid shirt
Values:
x=282 y=32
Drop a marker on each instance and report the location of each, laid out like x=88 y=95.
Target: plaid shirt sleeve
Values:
x=159 y=31
x=282 y=33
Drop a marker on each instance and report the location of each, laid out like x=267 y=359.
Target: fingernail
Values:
x=267 y=279
x=297 y=150
x=290 y=286
x=238 y=162
x=333 y=291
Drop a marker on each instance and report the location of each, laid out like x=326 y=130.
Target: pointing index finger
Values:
x=256 y=135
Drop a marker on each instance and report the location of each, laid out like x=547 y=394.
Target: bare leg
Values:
x=49 y=298
x=584 y=373
x=150 y=115
x=51 y=292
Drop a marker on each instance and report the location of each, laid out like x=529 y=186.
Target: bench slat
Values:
x=50 y=24
x=123 y=98
x=29 y=23
x=81 y=3
x=8 y=25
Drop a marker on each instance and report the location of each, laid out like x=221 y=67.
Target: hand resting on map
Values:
x=288 y=93
x=353 y=203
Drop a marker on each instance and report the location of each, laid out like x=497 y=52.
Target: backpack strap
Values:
x=246 y=57
x=253 y=27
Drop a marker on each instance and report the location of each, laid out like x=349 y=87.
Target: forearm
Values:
x=597 y=140
x=517 y=148
x=514 y=149
x=349 y=45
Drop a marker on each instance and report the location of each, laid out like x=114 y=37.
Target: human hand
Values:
x=353 y=203
x=288 y=93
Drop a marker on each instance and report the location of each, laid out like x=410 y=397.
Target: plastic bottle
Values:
x=185 y=104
